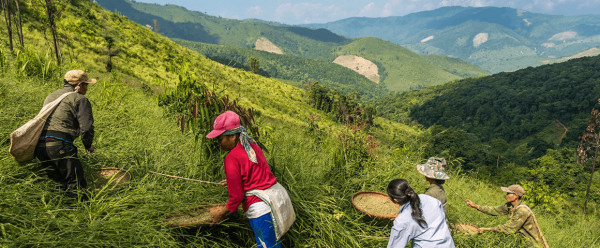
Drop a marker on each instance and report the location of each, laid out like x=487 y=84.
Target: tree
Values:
x=52 y=14
x=7 y=18
x=19 y=24
x=590 y=140
x=254 y=65
x=110 y=51
x=155 y=25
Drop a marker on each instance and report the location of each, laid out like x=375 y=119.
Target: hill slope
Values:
x=286 y=67
x=496 y=39
x=296 y=41
x=319 y=166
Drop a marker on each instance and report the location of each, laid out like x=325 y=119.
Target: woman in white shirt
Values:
x=422 y=219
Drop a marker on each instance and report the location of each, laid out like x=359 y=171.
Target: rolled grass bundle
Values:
x=198 y=216
x=375 y=204
x=464 y=228
x=111 y=177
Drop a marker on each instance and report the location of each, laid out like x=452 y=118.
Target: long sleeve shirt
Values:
x=520 y=219
x=243 y=175
x=434 y=234
x=73 y=116
x=437 y=191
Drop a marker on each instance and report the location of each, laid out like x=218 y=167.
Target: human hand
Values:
x=91 y=149
x=224 y=182
x=471 y=204
x=219 y=215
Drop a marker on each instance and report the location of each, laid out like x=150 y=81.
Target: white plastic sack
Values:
x=282 y=210
x=24 y=140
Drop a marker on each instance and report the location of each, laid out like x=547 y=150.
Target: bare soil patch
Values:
x=480 y=39
x=263 y=44
x=564 y=35
x=361 y=65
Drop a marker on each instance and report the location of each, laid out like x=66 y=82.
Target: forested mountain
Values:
x=292 y=68
x=511 y=106
x=398 y=68
x=496 y=39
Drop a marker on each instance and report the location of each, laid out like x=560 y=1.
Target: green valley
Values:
x=398 y=69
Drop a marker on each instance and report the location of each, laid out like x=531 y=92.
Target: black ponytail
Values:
x=401 y=193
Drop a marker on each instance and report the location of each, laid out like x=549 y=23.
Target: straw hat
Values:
x=78 y=76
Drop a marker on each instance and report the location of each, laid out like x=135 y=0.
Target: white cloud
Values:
x=308 y=13
x=370 y=10
x=465 y=3
x=546 y=5
x=255 y=11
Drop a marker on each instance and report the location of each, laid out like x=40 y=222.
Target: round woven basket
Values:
x=115 y=176
x=375 y=204
x=198 y=216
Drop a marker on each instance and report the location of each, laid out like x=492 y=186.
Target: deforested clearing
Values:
x=263 y=44
x=359 y=64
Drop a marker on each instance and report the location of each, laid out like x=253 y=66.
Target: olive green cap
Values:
x=514 y=189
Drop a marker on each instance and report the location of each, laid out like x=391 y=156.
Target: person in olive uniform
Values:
x=71 y=118
x=520 y=217
x=434 y=172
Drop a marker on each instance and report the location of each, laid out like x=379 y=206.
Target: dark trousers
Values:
x=62 y=166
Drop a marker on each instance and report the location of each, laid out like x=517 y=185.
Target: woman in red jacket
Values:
x=245 y=169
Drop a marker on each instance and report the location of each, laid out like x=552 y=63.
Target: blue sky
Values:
x=320 y=11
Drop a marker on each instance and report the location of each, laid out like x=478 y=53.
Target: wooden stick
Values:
x=371 y=237
x=458 y=195
x=189 y=179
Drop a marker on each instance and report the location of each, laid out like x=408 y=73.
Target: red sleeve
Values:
x=234 y=183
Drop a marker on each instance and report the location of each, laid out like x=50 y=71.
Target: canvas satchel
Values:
x=24 y=140
x=282 y=211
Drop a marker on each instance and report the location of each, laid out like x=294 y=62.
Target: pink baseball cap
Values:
x=225 y=121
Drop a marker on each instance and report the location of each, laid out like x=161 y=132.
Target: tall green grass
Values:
x=133 y=133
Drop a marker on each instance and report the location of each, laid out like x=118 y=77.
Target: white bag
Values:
x=24 y=140
x=282 y=210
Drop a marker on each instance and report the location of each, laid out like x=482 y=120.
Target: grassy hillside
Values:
x=402 y=70
x=291 y=68
x=516 y=38
x=132 y=132
x=302 y=42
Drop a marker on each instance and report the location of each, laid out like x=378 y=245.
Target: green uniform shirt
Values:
x=72 y=116
x=437 y=191
x=520 y=219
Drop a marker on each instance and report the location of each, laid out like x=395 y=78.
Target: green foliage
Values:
x=254 y=67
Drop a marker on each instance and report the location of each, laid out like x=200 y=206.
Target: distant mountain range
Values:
x=390 y=65
x=496 y=39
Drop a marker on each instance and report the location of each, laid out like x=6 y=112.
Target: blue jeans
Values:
x=264 y=232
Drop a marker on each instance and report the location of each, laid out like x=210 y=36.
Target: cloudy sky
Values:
x=320 y=11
